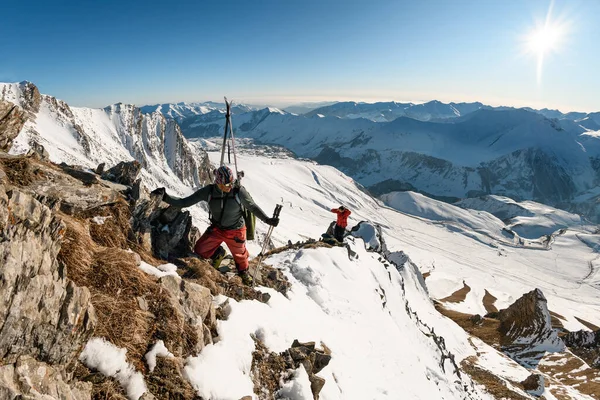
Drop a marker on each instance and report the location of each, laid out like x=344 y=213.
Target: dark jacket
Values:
x=225 y=211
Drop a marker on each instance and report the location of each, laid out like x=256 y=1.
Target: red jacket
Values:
x=342 y=216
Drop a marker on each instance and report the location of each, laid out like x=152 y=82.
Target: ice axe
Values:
x=278 y=208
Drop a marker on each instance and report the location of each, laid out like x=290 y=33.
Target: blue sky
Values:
x=95 y=53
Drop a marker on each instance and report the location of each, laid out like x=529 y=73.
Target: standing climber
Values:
x=225 y=201
x=342 y=222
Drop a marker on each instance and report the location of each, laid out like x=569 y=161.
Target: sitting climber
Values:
x=342 y=222
x=226 y=217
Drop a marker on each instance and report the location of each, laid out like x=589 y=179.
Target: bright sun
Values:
x=544 y=39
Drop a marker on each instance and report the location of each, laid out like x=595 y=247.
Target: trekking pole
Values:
x=278 y=208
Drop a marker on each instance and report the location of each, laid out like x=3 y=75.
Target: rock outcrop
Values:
x=45 y=319
x=271 y=370
x=586 y=345
x=526 y=330
x=12 y=119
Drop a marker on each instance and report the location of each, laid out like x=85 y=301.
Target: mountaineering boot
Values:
x=246 y=277
x=217 y=257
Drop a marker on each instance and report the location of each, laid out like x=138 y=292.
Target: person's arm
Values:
x=348 y=212
x=335 y=210
x=249 y=203
x=196 y=197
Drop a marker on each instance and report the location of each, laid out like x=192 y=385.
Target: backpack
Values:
x=249 y=217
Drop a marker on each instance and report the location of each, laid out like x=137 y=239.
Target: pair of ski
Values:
x=239 y=175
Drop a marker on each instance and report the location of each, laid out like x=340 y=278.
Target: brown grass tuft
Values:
x=494 y=385
x=268 y=371
x=115 y=282
x=459 y=295
x=20 y=171
x=115 y=231
x=166 y=382
x=486 y=330
x=588 y=324
x=488 y=302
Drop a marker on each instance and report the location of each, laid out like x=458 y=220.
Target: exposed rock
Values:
x=526 y=330
x=42 y=314
x=30 y=379
x=586 y=345
x=38 y=151
x=534 y=384
x=125 y=173
x=12 y=119
x=193 y=301
x=270 y=370
x=371 y=234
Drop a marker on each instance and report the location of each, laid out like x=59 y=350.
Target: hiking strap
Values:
x=236 y=192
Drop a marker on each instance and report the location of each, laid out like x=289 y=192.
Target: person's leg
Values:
x=209 y=242
x=339 y=233
x=236 y=241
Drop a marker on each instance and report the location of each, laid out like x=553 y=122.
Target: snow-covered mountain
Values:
x=389 y=111
x=120 y=132
x=373 y=310
x=509 y=152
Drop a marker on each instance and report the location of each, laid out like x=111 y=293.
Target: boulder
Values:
x=534 y=384
x=125 y=173
x=194 y=302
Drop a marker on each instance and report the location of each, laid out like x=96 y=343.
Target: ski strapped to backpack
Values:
x=249 y=217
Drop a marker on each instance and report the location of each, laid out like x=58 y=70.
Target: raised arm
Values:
x=196 y=197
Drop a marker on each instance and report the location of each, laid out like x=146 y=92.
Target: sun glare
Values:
x=546 y=38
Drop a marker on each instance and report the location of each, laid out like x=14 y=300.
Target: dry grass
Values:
x=311 y=244
x=114 y=231
x=109 y=389
x=115 y=282
x=555 y=320
x=268 y=371
x=488 y=302
x=560 y=366
x=20 y=171
x=459 y=295
x=166 y=382
x=494 y=385
x=486 y=330
x=588 y=324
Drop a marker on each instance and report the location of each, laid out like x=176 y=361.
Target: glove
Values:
x=160 y=191
x=272 y=221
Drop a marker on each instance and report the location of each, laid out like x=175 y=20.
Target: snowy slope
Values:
x=377 y=319
x=528 y=218
x=567 y=272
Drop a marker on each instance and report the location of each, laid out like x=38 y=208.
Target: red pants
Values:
x=235 y=239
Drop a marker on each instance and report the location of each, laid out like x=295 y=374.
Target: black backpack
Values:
x=249 y=217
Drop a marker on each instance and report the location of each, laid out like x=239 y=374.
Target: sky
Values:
x=94 y=54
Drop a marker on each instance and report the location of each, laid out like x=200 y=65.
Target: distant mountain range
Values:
x=447 y=151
